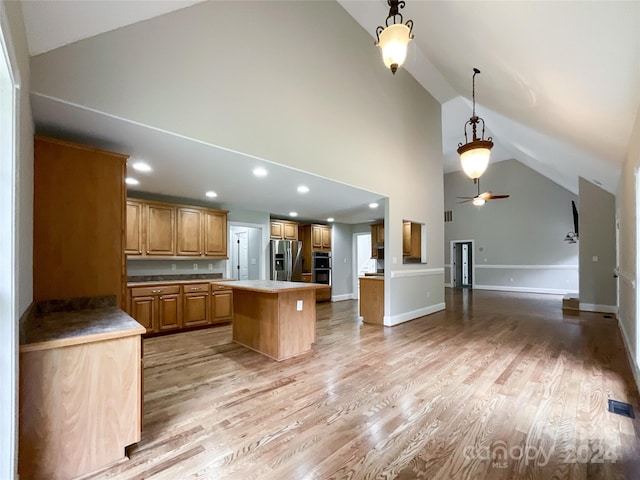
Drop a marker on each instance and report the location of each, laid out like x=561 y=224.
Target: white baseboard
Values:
x=405 y=317
x=590 y=307
x=340 y=298
x=505 y=288
x=635 y=367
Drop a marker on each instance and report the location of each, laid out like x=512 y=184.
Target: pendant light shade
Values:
x=474 y=154
x=394 y=38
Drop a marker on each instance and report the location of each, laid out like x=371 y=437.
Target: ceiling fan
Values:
x=481 y=198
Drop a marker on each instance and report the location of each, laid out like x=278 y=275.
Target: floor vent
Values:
x=608 y=316
x=621 y=408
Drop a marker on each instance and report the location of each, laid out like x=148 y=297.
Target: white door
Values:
x=240 y=255
x=364 y=263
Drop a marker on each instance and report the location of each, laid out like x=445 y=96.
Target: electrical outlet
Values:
x=299 y=305
x=211 y=266
x=195 y=266
x=428 y=294
x=173 y=266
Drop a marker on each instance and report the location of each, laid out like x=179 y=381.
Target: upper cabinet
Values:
x=377 y=240
x=157 y=229
x=321 y=237
x=413 y=242
x=284 y=230
x=78 y=221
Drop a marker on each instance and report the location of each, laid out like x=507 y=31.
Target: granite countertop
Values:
x=272 y=286
x=61 y=329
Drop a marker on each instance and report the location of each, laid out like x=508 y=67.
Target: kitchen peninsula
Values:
x=277 y=319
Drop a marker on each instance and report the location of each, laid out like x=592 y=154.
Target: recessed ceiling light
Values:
x=141 y=167
x=131 y=181
x=293 y=214
x=330 y=219
x=373 y=205
x=259 y=172
x=303 y=189
x=211 y=194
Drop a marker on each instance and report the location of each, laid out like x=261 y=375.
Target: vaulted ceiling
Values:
x=560 y=81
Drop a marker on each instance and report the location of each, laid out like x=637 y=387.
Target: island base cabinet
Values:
x=372 y=300
x=80 y=406
x=271 y=323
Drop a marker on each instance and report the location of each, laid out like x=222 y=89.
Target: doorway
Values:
x=364 y=263
x=462 y=264
x=245 y=254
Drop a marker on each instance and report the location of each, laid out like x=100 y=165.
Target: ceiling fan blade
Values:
x=467 y=198
x=494 y=197
x=466 y=201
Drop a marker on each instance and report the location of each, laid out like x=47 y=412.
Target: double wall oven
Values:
x=321 y=267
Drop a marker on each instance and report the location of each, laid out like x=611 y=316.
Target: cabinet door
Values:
x=277 y=230
x=194 y=311
x=215 y=242
x=133 y=240
x=143 y=309
x=169 y=312
x=326 y=238
x=291 y=231
x=222 y=306
x=380 y=233
x=189 y=232
x=406 y=238
x=316 y=237
x=160 y=230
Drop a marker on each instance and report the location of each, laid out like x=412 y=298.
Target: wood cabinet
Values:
x=133 y=240
x=189 y=232
x=78 y=221
x=221 y=303
x=411 y=239
x=168 y=230
x=160 y=230
x=158 y=308
x=284 y=230
x=321 y=238
x=323 y=294
x=215 y=230
x=372 y=300
x=377 y=240
x=195 y=310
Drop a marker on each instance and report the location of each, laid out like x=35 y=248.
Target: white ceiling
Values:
x=559 y=90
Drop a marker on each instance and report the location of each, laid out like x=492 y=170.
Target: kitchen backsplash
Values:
x=174 y=267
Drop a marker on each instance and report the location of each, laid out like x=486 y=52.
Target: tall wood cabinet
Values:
x=157 y=229
x=284 y=230
x=78 y=221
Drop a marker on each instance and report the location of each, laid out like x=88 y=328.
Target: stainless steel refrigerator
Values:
x=286 y=260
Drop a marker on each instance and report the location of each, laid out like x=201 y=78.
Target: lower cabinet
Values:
x=156 y=308
x=195 y=310
x=174 y=307
x=221 y=304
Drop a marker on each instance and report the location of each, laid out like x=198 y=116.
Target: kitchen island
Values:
x=277 y=319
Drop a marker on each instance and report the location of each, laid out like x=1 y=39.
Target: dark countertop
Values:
x=61 y=329
x=174 y=277
x=152 y=283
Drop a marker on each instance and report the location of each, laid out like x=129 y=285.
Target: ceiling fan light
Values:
x=393 y=42
x=474 y=161
x=479 y=201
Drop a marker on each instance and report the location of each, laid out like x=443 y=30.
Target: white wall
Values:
x=295 y=95
x=626 y=212
x=21 y=236
x=597 y=248
x=342 y=258
x=518 y=241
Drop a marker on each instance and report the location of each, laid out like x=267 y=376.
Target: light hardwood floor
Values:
x=441 y=397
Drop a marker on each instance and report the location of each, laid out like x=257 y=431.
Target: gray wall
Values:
x=518 y=241
x=293 y=95
x=626 y=213
x=597 y=248
x=342 y=257
x=14 y=36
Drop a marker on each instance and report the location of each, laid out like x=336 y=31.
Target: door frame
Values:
x=356 y=283
x=264 y=243
x=452 y=260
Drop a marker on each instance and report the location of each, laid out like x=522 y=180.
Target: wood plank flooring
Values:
x=498 y=386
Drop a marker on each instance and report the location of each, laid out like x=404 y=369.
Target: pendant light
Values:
x=474 y=154
x=393 y=39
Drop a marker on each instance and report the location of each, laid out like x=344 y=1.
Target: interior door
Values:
x=241 y=255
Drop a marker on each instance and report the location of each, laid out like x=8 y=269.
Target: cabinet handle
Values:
x=156 y=291
x=194 y=289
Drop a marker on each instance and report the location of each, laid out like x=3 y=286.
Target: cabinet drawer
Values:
x=159 y=290
x=216 y=287
x=195 y=288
